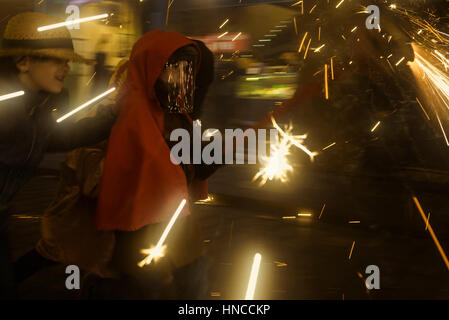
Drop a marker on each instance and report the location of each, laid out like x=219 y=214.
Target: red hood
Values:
x=140 y=184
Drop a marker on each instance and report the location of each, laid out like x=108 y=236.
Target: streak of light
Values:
x=402 y=59
x=353 y=29
x=434 y=237
x=72 y=22
x=224 y=23
x=280 y=264
x=88 y=82
x=253 y=277
x=389 y=56
x=313 y=8
x=331 y=145
x=296 y=27
x=289 y=217
x=302 y=42
x=238 y=35
x=222 y=35
x=427 y=221
x=442 y=130
x=319 y=33
x=12 y=95
x=354 y=221
x=307 y=49
x=319 y=48
x=352 y=249
x=325 y=82
x=157 y=252
x=304 y=214
x=88 y=103
x=332 y=68
x=424 y=110
x=339 y=4
x=375 y=126
x=209 y=199
x=322 y=210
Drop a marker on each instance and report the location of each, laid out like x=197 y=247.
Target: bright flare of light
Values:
x=276 y=166
x=12 y=95
x=295 y=140
x=158 y=251
x=72 y=22
x=209 y=199
x=88 y=103
x=253 y=277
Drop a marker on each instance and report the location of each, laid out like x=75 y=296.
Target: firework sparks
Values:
x=375 y=126
x=322 y=210
x=432 y=233
x=325 y=82
x=307 y=49
x=223 y=34
x=253 y=277
x=224 y=23
x=339 y=4
x=72 y=22
x=352 y=249
x=158 y=251
x=12 y=95
x=424 y=110
x=329 y=146
x=302 y=42
x=88 y=103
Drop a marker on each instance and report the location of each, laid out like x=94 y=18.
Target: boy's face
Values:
x=43 y=74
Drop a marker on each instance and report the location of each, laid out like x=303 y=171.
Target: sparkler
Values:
x=88 y=103
x=72 y=22
x=12 y=95
x=432 y=233
x=158 y=251
x=253 y=277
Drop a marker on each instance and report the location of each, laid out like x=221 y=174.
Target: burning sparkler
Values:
x=88 y=103
x=12 y=95
x=277 y=165
x=253 y=277
x=158 y=251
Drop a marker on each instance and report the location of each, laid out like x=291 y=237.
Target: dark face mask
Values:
x=175 y=86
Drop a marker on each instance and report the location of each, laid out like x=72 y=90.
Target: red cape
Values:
x=140 y=184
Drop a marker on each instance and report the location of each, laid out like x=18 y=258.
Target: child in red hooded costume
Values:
x=141 y=188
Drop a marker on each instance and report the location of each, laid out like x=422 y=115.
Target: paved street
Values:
x=302 y=258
